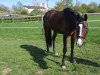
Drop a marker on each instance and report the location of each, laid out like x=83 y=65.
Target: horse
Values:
x=67 y=22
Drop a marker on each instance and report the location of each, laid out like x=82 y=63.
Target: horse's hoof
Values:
x=56 y=54
x=63 y=67
x=47 y=52
x=73 y=60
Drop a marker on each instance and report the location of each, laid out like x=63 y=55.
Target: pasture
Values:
x=22 y=51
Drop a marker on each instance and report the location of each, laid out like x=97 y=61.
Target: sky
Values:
x=51 y=3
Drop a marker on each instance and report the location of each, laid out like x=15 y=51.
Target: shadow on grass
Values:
x=86 y=62
x=38 y=55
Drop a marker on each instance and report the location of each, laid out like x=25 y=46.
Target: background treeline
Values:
x=92 y=7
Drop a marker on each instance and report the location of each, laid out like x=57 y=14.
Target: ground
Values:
x=22 y=51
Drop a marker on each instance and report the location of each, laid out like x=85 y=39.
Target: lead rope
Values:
x=86 y=54
x=86 y=51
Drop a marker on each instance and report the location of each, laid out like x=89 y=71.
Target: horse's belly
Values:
x=59 y=29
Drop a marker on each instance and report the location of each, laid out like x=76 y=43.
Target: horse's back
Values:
x=52 y=15
x=54 y=20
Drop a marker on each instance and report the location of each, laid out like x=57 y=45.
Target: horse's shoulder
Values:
x=69 y=11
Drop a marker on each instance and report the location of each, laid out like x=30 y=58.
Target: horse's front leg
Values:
x=72 y=59
x=54 y=43
x=64 y=51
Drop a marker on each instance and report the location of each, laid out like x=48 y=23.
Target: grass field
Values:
x=22 y=52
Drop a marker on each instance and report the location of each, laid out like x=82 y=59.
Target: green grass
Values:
x=94 y=24
x=21 y=24
x=22 y=52
x=94 y=17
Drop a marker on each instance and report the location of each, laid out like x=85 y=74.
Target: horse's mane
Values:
x=71 y=15
x=70 y=11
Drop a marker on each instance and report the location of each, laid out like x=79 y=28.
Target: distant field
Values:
x=22 y=51
x=94 y=17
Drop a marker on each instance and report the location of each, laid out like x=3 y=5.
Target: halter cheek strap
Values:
x=81 y=37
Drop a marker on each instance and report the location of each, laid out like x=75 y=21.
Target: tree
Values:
x=99 y=6
x=19 y=5
x=14 y=7
x=67 y=2
x=83 y=8
x=36 y=12
x=3 y=8
x=23 y=12
x=92 y=7
x=59 y=5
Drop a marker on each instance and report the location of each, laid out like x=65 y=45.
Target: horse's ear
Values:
x=85 y=17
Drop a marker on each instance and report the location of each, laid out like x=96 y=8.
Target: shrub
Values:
x=23 y=12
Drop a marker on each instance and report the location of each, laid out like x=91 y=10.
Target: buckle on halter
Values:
x=80 y=37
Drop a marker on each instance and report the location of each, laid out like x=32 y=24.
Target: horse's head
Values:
x=82 y=30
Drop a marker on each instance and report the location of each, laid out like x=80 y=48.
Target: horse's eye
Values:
x=86 y=27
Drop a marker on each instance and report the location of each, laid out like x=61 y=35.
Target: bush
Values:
x=91 y=10
x=36 y=12
x=23 y=12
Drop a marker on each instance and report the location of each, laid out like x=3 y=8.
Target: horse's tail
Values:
x=47 y=33
x=47 y=29
x=48 y=36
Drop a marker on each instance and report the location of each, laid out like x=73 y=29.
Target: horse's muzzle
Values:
x=79 y=42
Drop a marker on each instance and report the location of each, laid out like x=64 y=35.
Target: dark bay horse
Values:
x=67 y=22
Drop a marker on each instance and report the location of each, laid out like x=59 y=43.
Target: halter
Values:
x=80 y=38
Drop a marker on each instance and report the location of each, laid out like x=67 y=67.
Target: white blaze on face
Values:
x=80 y=41
x=80 y=33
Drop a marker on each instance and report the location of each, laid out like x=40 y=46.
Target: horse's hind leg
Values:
x=54 y=43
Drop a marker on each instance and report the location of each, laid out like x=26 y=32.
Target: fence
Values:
x=93 y=13
x=4 y=18
x=12 y=19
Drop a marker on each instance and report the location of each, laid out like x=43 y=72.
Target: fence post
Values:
x=2 y=20
x=22 y=19
x=30 y=18
x=11 y=20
